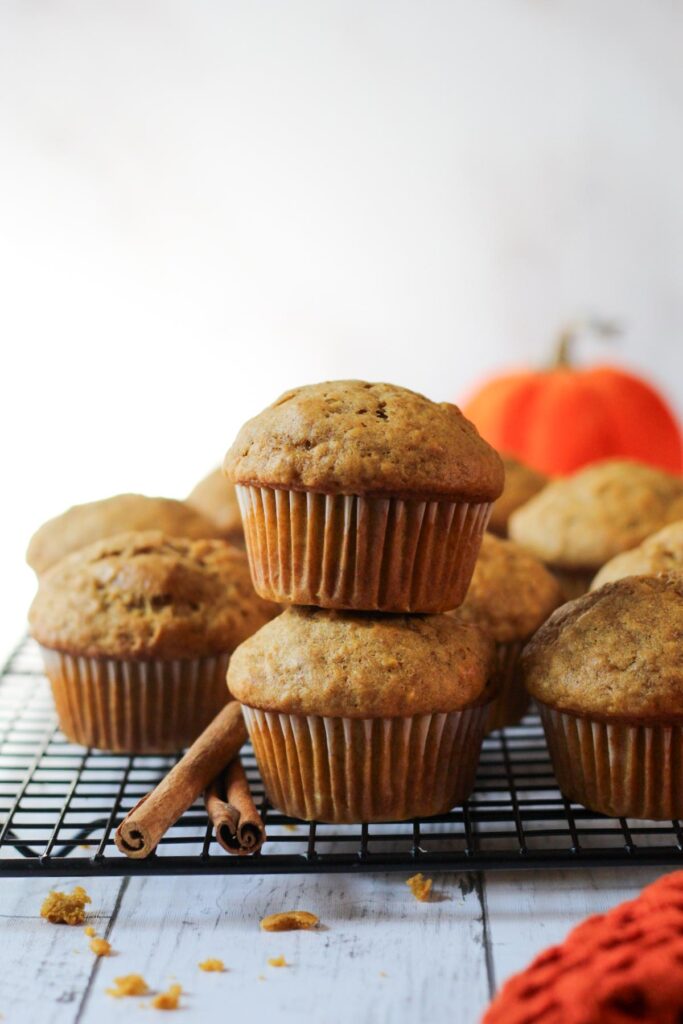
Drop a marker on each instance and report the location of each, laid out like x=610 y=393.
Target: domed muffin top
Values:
x=521 y=483
x=215 y=498
x=83 y=524
x=144 y=595
x=352 y=437
x=511 y=593
x=660 y=552
x=357 y=665
x=615 y=652
x=581 y=521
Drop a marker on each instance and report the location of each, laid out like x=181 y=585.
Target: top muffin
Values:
x=311 y=661
x=352 y=437
x=215 y=498
x=142 y=595
x=662 y=552
x=83 y=524
x=521 y=483
x=583 y=520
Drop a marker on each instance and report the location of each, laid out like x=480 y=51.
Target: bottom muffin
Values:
x=607 y=675
x=358 y=717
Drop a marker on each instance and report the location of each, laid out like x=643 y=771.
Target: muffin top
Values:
x=215 y=498
x=521 y=483
x=144 y=595
x=662 y=552
x=312 y=661
x=615 y=652
x=511 y=592
x=582 y=521
x=350 y=437
x=83 y=524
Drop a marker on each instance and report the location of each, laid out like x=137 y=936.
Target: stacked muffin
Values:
x=364 y=507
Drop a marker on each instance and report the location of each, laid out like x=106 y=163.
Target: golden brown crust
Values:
x=311 y=661
x=511 y=593
x=215 y=498
x=144 y=595
x=84 y=524
x=582 y=521
x=661 y=552
x=521 y=484
x=351 y=437
x=615 y=652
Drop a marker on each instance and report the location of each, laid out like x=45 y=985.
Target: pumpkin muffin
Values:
x=363 y=496
x=578 y=523
x=136 y=632
x=364 y=717
x=83 y=524
x=521 y=484
x=662 y=552
x=510 y=596
x=607 y=674
x=215 y=498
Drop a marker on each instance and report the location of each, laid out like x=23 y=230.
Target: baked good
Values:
x=136 y=632
x=510 y=596
x=661 y=552
x=215 y=498
x=607 y=675
x=364 y=717
x=578 y=523
x=521 y=484
x=83 y=524
x=363 y=496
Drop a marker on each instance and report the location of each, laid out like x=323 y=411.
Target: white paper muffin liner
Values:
x=366 y=769
x=512 y=700
x=618 y=768
x=139 y=707
x=371 y=554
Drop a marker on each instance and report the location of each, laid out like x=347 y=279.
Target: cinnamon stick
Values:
x=145 y=824
x=229 y=805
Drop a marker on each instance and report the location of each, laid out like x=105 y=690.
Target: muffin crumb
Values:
x=289 y=920
x=100 y=947
x=211 y=964
x=65 y=908
x=168 y=1000
x=277 y=961
x=128 y=985
x=420 y=887
x=90 y=932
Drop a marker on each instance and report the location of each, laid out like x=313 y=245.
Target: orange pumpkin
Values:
x=561 y=418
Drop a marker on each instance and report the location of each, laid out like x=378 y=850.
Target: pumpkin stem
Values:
x=572 y=331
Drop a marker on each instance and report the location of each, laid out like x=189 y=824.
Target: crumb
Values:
x=277 y=961
x=128 y=985
x=64 y=907
x=290 y=920
x=212 y=964
x=383 y=974
x=90 y=932
x=290 y=828
x=100 y=947
x=261 y=977
x=167 y=1000
x=420 y=887
x=85 y=846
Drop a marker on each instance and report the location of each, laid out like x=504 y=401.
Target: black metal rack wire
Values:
x=60 y=805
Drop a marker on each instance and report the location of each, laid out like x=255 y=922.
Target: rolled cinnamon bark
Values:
x=145 y=824
x=230 y=806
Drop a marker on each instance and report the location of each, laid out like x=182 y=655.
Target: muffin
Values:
x=607 y=674
x=578 y=523
x=521 y=484
x=83 y=524
x=363 y=496
x=510 y=596
x=662 y=552
x=364 y=717
x=215 y=498
x=136 y=632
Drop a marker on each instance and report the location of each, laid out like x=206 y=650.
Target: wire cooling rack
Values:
x=60 y=805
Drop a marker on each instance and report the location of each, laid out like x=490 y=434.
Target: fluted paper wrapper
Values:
x=512 y=700
x=366 y=769
x=370 y=554
x=621 y=769
x=143 y=707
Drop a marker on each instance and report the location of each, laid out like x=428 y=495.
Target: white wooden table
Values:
x=379 y=955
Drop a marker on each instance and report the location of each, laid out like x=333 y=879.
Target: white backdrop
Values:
x=205 y=202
